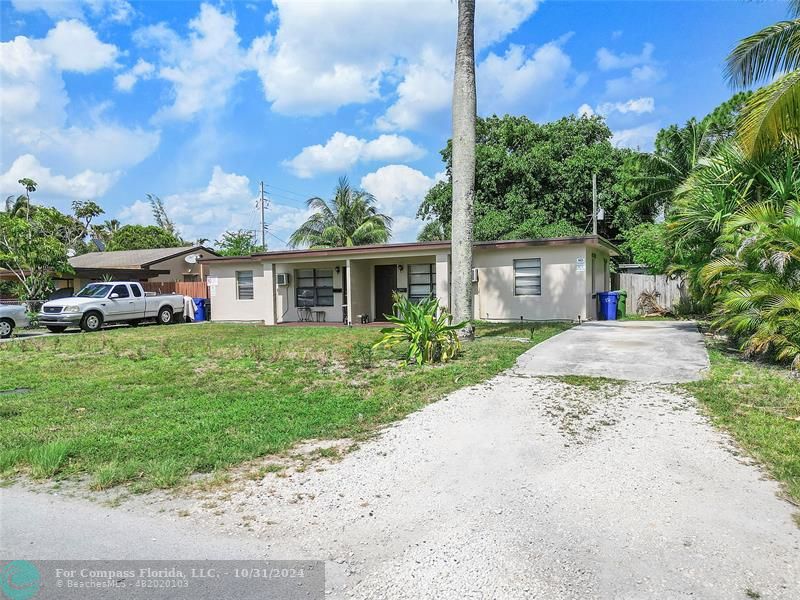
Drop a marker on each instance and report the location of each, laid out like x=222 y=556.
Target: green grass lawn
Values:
x=151 y=405
x=760 y=405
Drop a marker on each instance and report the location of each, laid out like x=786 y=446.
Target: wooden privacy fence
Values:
x=670 y=291
x=195 y=289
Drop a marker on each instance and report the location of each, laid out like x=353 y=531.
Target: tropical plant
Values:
x=105 y=231
x=647 y=244
x=534 y=180
x=32 y=251
x=141 y=237
x=429 y=332
x=241 y=242
x=160 y=215
x=771 y=116
x=349 y=219
x=678 y=151
x=758 y=279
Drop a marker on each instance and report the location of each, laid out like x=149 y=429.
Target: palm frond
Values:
x=771 y=116
x=775 y=49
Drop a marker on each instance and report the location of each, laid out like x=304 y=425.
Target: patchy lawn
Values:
x=760 y=405
x=149 y=406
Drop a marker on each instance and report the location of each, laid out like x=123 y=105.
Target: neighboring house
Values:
x=155 y=265
x=543 y=279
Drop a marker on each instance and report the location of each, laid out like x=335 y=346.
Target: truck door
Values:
x=120 y=307
x=139 y=302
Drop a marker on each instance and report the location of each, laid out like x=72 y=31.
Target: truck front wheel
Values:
x=165 y=316
x=92 y=321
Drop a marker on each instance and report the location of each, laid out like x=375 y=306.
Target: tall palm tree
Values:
x=771 y=116
x=678 y=152
x=463 y=169
x=349 y=219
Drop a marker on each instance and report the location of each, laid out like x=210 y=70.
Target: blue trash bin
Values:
x=199 y=309
x=608 y=305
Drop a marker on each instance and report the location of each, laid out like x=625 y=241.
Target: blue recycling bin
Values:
x=199 y=309
x=608 y=305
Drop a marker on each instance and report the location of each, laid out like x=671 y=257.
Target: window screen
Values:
x=244 y=285
x=528 y=277
x=421 y=282
x=314 y=287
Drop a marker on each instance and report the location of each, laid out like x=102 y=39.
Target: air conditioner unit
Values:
x=474 y=275
x=282 y=279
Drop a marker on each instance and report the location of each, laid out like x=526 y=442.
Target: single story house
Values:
x=155 y=265
x=538 y=279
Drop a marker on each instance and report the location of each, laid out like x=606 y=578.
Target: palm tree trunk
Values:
x=463 y=170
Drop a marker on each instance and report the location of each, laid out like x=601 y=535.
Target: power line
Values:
x=304 y=196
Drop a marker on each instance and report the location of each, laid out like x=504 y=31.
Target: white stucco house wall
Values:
x=537 y=280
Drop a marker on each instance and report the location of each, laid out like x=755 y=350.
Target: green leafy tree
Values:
x=141 y=237
x=771 y=116
x=535 y=179
x=31 y=250
x=237 y=243
x=647 y=244
x=349 y=219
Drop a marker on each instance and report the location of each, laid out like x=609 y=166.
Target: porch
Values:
x=354 y=291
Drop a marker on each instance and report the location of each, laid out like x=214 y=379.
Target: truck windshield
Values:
x=94 y=290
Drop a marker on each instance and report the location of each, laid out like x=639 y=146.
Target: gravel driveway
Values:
x=526 y=487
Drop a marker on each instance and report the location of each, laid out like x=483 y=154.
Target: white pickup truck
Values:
x=113 y=302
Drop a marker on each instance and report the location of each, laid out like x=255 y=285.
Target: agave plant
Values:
x=429 y=332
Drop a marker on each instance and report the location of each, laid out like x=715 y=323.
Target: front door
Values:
x=385 y=284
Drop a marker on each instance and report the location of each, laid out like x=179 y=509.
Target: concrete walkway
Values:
x=654 y=351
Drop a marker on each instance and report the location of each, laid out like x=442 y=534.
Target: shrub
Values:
x=361 y=354
x=425 y=327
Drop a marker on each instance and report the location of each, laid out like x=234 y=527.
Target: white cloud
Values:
x=75 y=47
x=518 y=81
x=114 y=10
x=227 y=202
x=607 y=60
x=33 y=115
x=82 y=186
x=640 y=79
x=311 y=67
x=343 y=151
x=637 y=106
x=399 y=190
x=203 y=68
x=102 y=145
x=641 y=137
x=33 y=89
x=634 y=105
x=425 y=90
x=125 y=82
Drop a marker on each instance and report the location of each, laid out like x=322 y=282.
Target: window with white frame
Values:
x=421 y=282
x=314 y=287
x=244 y=285
x=528 y=277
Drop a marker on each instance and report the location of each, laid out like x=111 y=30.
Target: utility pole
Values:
x=594 y=203
x=263 y=202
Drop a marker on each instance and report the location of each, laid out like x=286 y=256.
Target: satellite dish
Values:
x=191 y=258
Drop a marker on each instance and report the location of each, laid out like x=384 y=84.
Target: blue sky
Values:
x=198 y=102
